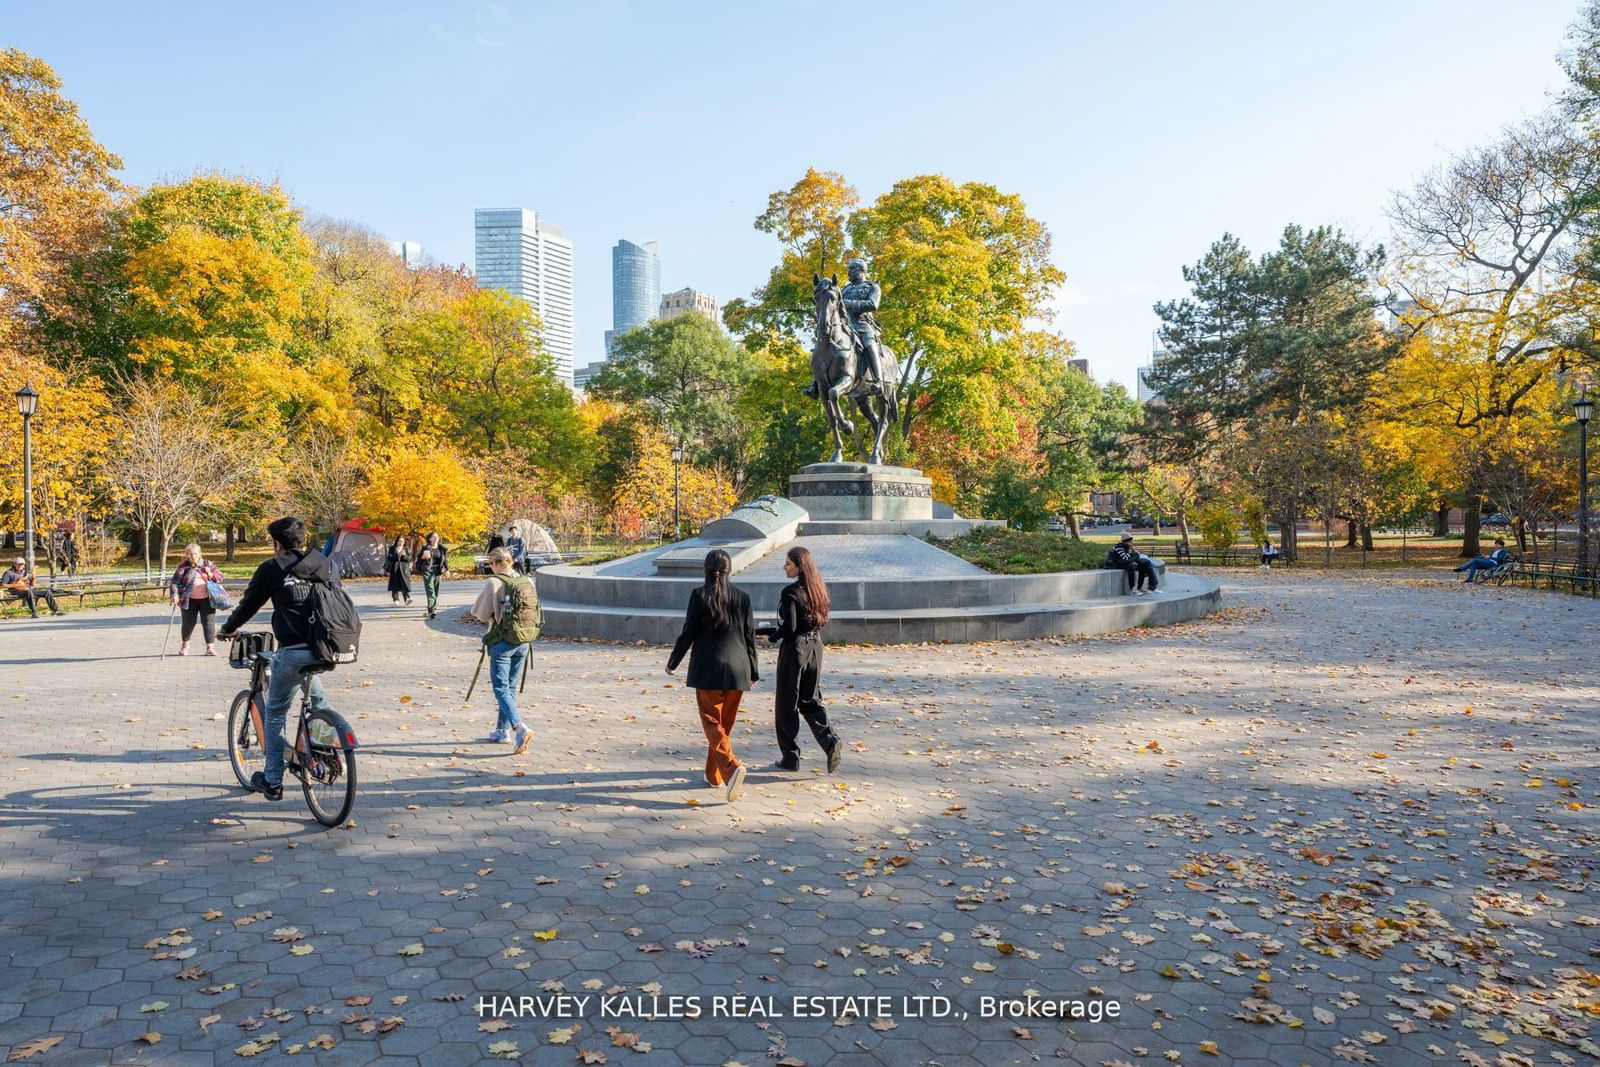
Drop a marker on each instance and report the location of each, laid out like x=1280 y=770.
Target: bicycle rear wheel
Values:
x=329 y=772
x=246 y=750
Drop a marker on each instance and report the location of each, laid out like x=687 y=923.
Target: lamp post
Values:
x=27 y=404
x=1583 y=411
x=677 y=498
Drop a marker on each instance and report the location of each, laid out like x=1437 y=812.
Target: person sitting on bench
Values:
x=18 y=585
x=1269 y=552
x=1486 y=563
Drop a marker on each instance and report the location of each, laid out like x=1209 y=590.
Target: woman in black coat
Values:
x=802 y=611
x=719 y=636
x=399 y=566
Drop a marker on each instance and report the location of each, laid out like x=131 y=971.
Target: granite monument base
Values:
x=862 y=492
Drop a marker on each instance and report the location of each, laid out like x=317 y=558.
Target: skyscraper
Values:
x=635 y=287
x=527 y=256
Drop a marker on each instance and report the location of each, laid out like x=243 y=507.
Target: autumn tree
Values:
x=1487 y=247
x=55 y=185
x=644 y=500
x=966 y=273
x=419 y=485
x=69 y=443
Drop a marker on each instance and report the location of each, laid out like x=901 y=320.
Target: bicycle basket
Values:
x=245 y=646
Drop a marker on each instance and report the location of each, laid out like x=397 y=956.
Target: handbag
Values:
x=219 y=596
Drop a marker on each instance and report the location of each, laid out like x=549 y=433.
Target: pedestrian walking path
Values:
x=1343 y=819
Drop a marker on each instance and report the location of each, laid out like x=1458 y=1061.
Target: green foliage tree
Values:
x=690 y=373
x=1263 y=346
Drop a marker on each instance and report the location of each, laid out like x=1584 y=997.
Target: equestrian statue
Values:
x=850 y=361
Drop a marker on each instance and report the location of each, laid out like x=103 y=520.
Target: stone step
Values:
x=1182 y=598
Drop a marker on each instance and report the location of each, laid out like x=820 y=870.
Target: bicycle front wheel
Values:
x=246 y=750
x=329 y=775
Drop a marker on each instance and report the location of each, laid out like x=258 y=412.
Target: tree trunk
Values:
x=1327 y=543
x=1155 y=526
x=166 y=545
x=1441 y=521
x=1072 y=524
x=229 y=556
x=1288 y=536
x=1183 y=529
x=1366 y=537
x=145 y=544
x=1351 y=528
x=1471 y=527
x=1522 y=535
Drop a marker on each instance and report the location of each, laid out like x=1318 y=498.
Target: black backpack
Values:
x=333 y=626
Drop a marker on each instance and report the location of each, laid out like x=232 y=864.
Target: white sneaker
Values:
x=736 y=783
x=524 y=735
x=497 y=737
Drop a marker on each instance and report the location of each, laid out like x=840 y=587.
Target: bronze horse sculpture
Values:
x=836 y=364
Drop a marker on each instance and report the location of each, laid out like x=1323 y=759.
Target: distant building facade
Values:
x=410 y=252
x=582 y=376
x=1142 y=390
x=522 y=254
x=635 y=287
x=684 y=301
x=1081 y=366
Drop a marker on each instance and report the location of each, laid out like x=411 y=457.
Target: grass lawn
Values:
x=1015 y=552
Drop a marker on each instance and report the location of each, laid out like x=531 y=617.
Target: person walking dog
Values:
x=720 y=639
x=433 y=562
x=802 y=612
x=191 y=592
x=509 y=604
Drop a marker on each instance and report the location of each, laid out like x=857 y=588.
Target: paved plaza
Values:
x=1347 y=819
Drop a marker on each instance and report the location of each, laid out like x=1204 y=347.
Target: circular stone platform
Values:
x=886 y=588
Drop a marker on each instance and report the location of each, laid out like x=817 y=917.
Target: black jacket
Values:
x=433 y=560
x=1122 y=557
x=721 y=659
x=286 y=581
x=794 y=614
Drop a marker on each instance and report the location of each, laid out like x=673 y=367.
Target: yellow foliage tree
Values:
x=69 y=443
x=418 y=485
x=643 y=502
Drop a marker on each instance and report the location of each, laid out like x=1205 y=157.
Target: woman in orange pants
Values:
x=719 y=636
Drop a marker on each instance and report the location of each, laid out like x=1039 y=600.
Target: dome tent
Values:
x=357 y=550
x=536 y=540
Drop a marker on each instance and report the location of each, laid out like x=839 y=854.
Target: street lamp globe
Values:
x=27 y=401
x=677 y=451
x=1583 y=407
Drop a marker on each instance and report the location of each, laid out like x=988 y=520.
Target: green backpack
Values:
x=519 y=611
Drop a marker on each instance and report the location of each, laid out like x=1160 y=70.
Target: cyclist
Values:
x=286 y=580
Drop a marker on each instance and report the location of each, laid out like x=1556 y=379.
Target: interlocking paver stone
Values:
x=1369 y=798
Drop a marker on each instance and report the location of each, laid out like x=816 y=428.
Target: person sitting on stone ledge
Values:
x=1139 y=568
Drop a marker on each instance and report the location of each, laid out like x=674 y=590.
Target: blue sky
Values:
x=1138 y=133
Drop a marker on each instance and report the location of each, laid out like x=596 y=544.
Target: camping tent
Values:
x=357 y=550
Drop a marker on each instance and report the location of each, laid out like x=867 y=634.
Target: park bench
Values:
x=1550 y=574
x=89 y=585
x=1235 y=556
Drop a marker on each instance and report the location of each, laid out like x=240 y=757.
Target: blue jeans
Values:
x=287 y=663
x=1472 y=566
x=505 y=668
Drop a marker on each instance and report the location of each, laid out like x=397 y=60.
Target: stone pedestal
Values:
x=862 y=491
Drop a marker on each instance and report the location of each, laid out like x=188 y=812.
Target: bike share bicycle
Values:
x=323 y=754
